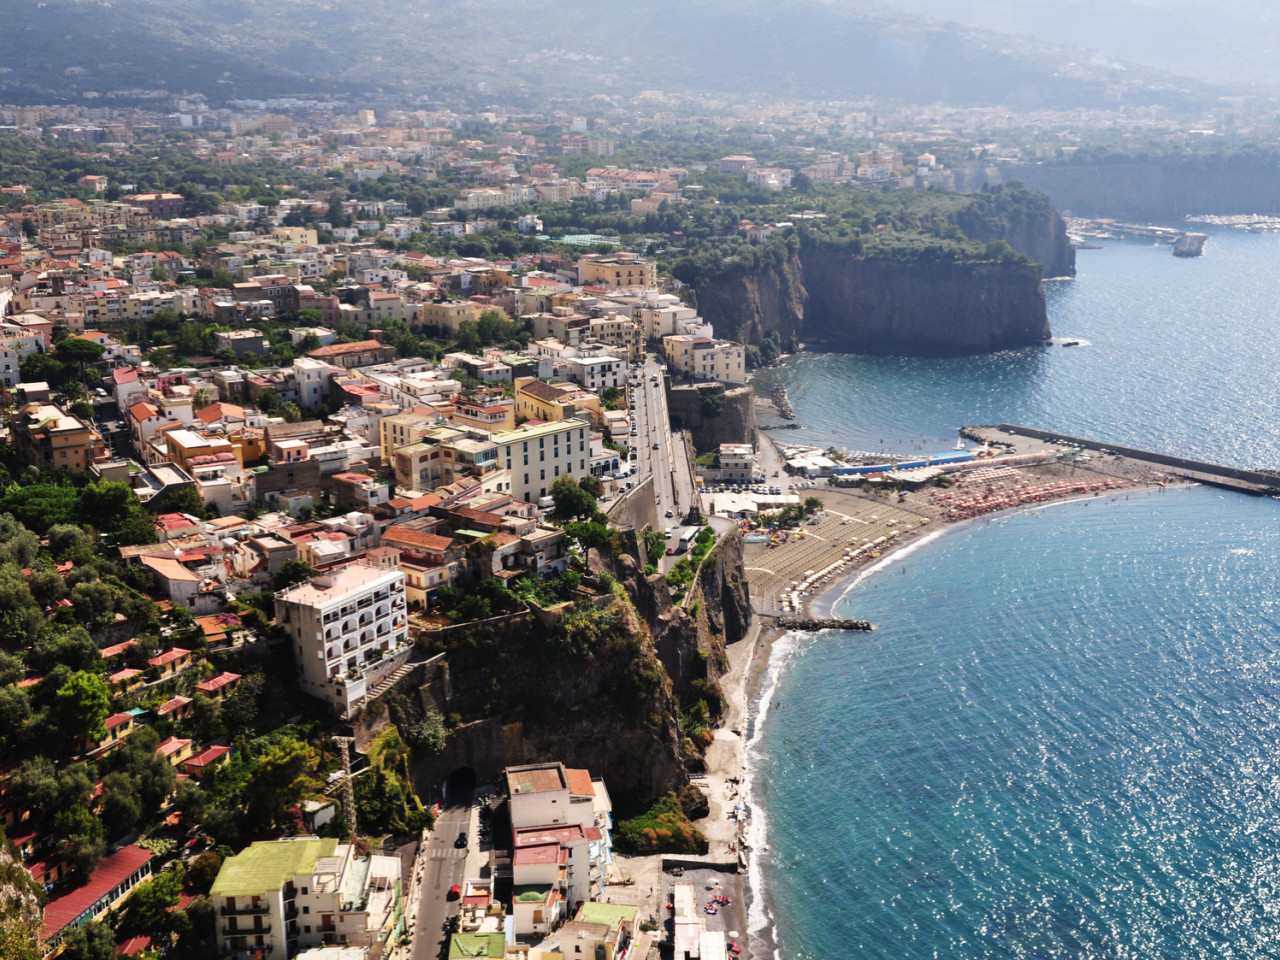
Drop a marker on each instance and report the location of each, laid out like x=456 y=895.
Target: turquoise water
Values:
x=1183 y=355
x=1061 y=739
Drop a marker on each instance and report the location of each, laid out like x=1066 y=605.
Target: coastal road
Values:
x=444 y=865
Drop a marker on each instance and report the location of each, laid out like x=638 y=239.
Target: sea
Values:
x=1061 y=738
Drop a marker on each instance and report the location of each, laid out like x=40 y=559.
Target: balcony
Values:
x=242 y=910
x=246 y=931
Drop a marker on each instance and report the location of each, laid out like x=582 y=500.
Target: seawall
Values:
x=1233 y=478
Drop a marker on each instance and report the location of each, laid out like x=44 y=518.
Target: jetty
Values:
x=811 y=624
x=1190 y=245
x=782 y=402
x=1257 y=482
x=1185 y=244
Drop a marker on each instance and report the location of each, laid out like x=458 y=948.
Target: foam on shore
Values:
x=760 y=921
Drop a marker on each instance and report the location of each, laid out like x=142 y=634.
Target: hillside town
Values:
x=263 y=458
x=355 y=463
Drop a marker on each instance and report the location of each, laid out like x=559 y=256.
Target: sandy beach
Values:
x=857 y=532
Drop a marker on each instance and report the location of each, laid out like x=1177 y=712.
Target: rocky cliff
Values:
x=713 y=414
x=933 y=299
x=871 y=305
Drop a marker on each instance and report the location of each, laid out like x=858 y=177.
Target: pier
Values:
x=811 y=624
x=1255 y=482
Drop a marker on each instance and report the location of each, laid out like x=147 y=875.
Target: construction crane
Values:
x=348 y=787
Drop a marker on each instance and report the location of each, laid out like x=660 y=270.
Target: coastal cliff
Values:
x=601 y=685
x=881 y=305
x=871 y=306
x=713 y=413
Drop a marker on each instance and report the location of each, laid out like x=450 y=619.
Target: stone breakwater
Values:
x=810 y=624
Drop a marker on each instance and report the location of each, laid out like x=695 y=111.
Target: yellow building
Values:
x=185 y=445
x=617 y=270
x=538 y=400
x=450 y=314
x=402 y=429
x=623 y=335
x=44 y=435
x=490 y=414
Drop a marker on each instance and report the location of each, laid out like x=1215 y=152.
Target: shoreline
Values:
x=753 y=662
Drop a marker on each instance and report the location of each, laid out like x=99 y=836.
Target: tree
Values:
x=78 y=351
x=187 y=500
x=95 y=602
x=80 y=708
x=588 y=534
x=269 y=401
x=291 y=573
x=93 y=941
x=201 y=873
x=147 y=909
x=82 y=845
x=291 y=412
x=70 y=542
x=104 y=504
x=15 y=708
x=192 y=801
x=571 y=500
x=282 y=776
x=427 y=737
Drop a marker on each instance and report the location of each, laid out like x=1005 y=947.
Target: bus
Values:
x=686 y=539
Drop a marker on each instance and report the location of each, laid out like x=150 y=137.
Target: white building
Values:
x=348 y=627
x=280 y=897
x=596 y=373
x=536 y=455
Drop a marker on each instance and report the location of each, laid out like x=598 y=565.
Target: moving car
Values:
x=455 y=892
x=462 y=840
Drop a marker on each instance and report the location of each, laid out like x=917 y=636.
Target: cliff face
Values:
x=713 y=414
x=1043 y=239
x=749 y=304
x=871 y=306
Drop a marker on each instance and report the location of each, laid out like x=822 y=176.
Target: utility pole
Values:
x=348 y=788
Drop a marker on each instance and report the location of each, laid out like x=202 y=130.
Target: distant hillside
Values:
x=1210 y=39
x=255 y=48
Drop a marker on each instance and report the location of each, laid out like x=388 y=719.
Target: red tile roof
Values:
x=207 y=756
x=112 y=871
x=169 y=706
x=218 y=682
x=169 y=656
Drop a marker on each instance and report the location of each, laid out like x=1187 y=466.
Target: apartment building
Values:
x=45 y=435
x=704 y=358
x=617 y=270
x=343 y=623
x=280 y=897
x=536 y=455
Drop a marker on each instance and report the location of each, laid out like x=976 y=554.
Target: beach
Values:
x=852 y=521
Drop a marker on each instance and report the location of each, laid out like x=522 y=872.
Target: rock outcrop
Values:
x=880 y=304
x=868 y=306
x=713 y=413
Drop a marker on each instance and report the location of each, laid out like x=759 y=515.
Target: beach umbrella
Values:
x=734 y=934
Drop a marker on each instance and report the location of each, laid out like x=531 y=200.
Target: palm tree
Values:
x=201 y=399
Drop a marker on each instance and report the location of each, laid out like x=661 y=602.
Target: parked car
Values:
x=455 y=892
x=462 y=839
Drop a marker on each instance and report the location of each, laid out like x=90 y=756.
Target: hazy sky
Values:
x=1210 y=39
